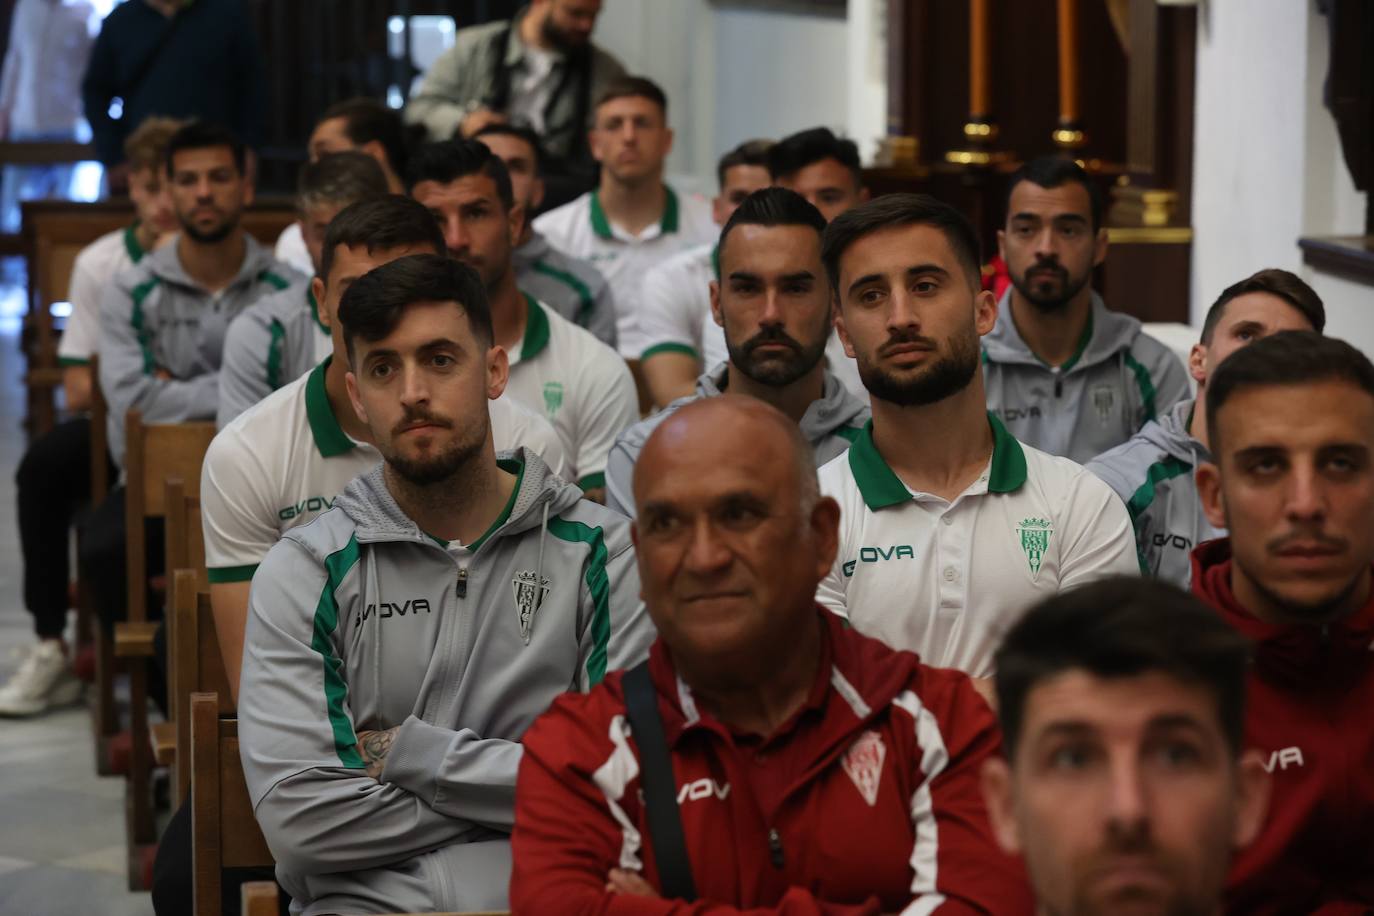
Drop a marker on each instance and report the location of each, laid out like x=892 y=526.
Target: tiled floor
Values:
x=61 y=825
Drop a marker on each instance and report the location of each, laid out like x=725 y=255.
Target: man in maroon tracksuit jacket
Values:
x=1291 y=423
x=817 y=770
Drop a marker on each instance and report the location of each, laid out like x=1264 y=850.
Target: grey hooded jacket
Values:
x=574 y=288
x=274 y=341
x=361 y=621
x=155 y=317
x=1153 y=475
x=830 y=424
x=1119 y=380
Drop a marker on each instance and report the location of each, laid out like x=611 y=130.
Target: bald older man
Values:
x=811 y=769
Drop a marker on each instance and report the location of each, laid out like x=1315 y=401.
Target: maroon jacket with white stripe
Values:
x=866 y=801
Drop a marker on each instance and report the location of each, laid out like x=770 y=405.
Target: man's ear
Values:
x=1197 y=362
x=863 y=194
x=351 y=383
x=537 y=190
x=1253 y=785
x=715 y=303
x=984 y=312
x=516 y=219
x=1002 y=244
x=995 y=780
x=317 y=290
x=498 y=371
x=1208 y=479
x=1100 y=247
x=825 y=527
x=840 y=328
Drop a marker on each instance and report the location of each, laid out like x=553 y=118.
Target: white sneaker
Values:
x=44 y=681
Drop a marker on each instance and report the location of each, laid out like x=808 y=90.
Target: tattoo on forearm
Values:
x=375 y=746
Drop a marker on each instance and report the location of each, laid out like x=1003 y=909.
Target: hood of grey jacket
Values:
x=361 y=622
x=165 y=264
x=831 y=424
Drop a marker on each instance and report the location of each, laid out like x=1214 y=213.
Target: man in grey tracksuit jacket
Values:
x=360 y=621
x=1153 y=474
x=274 y=341
x=1119 y=379
x=571 y=286
x=830 y=424
x=162 y=336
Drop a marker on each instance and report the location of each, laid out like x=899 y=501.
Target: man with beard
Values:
x=950 y=527
x=1125 y=784
x=773 y=302
x=1063 y=373
x=163 y=323
x=570 y=286
x=398 y=647
x=633 y=220
x=556 y=368
x=540 y=69
x=1291 y=424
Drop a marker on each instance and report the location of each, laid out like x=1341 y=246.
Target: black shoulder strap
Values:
x=140 y=72
x=499 y=96
x=660 y=788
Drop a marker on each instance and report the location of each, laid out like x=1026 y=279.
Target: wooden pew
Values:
x=260 y=899
x=104 y=715
x=185 y=554
x=196 y=666
x=153 y=454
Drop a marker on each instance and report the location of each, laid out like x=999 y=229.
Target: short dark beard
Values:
x=949 y=375
x=555 y=36
x=441 y=467
x=1070 y=285
x=775 y=373
x=214 y=236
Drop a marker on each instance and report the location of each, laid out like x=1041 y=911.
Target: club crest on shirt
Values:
x=528 y=598
x=863 y=763
x=1104 y=400
x=1035 y=540
x=553 y=397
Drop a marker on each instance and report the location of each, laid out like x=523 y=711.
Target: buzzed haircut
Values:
x=373 y=304
x=146 y=147
x=792 y=154
x=205 y=135
x=450 y=160
x=519 y=132
x=367 y=121
x=1276 y=282
x=381 y=224
x=1285 y=358
x=750 y=152
x=892 y=210
x=634 y=87
x=1053 y=172
x=772 y=207
x=339 y=179
x=1123 y=627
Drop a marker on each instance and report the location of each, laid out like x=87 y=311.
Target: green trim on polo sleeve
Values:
x=68 y=362
x=682 y=348
x=536 y=329
x=595 y=481
x=329 y=436
x=600 y=224
x=669 y=223
x=1008 y=473
x=276 y=340
x=225 y=574
x=1146 y=384
x=131 y=245
x=273 y=280
x=584 y=294
x=848 y=433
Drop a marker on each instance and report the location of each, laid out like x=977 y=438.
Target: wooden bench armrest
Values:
x=134 y=639
x=164 y=736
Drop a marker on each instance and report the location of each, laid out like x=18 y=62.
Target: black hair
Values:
x=521 y=133
x=367 y=120
x=634 y=87
x=901 y=210
x=1122 y=627
x=203 y=135
x=372 y=305
x=750 y=152
x=1287 y=286
x=1051 y=172
x=772 y=207
x=792 y=154
x=1285 y=358
x=379 y=224
x=449 y=160
x=339 y=178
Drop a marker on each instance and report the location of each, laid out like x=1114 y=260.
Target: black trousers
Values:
x=173 y=878
x=53 y=486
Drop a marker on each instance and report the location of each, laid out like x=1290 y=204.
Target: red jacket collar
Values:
x=1304 y=654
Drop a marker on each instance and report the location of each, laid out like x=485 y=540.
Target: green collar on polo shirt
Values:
x=330 y=438
x=131 y=245
x=314 y=307
x=602 y=226
x=536 y=329
x=882 y=488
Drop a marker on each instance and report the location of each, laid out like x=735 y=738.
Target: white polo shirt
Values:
x=582 y=229
x=578 y=384
x=96 y=265
x=946 y=579
x=280 y=464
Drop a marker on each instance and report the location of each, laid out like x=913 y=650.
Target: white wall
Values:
x=1267 y=162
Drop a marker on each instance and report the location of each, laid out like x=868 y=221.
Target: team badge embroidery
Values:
x=863 y=763
x=1035 y=540
x=528 y=599
x=553 y=397
x=1104 y=402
